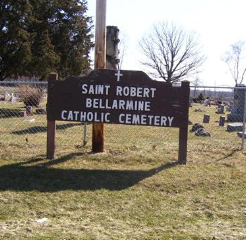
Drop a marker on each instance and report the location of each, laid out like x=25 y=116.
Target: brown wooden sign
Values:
x=120 y=97
x=126 y=97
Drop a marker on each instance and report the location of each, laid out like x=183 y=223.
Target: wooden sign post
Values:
x=51 y=124
x=98 y=131
x=121 y=97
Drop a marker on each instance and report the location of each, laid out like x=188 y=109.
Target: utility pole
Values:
x=98 y=131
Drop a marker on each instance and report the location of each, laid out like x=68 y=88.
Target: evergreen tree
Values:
x=15 y=47
x=40 y=36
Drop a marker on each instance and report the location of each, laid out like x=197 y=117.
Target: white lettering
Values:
x=95 y=103
x=139 y=92
x=147 y=106
x=118 y=91
x=107 y=87
x=129 y=105
x=83 y=116
x=95 y=89
x=126 y=91
x=135 y=91
x=121 y=104
x=141 y=106
x=70 y=116
x=88 y=103
x=90 y=116
x=115 y=105
x=143 y=119
x=139 y=119
x=106 y=117
x=121 y=118
x=153 y=92
x=84 y=88
x=157 y=120
x=135 y=119
x=91 y=89
x=63 y=115
x=163 y=121
x=99 y=89
x=128 y=119
x=76 y=113
x=170 y=119
x=146 y=92
x=150 y=119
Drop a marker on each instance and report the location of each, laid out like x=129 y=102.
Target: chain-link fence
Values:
x=216 y=121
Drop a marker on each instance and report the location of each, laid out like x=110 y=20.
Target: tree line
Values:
x=40 y=36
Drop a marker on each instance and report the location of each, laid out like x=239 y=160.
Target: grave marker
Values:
x=220 y=109
x=206 y=118
x=222 y=121
x=238 y=105
x=29 y=110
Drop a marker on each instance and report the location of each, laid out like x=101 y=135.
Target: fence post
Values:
x=85 y=134
x=183 y=138
x=183 y=131
x=244 y=116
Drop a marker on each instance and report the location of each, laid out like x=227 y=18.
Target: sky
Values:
x=218 y=23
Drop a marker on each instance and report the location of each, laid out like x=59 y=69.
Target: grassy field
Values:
x=134 y=190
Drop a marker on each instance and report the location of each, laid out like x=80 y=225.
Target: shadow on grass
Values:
x=10 y=113
x=233 y=151
x=41 y=177
x=41 y=129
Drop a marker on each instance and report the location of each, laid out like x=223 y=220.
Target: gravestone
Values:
x=23 y=114
x=198 y=110
x=12 y=99
x=237 y=109
x=241 y=134
x=5 y=97
x=29 y=110
x=228 y=109
x=196 y=126
x=222 y=121
x=202 y=132
x=234 y=127
x=220 y=109
x=206 y=118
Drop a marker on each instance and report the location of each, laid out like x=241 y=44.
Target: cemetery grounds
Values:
x=133 y=190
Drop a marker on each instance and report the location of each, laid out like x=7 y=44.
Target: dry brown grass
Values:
x=134 y=190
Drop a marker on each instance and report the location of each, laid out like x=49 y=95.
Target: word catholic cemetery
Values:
x=126 y=97
x=134 y=99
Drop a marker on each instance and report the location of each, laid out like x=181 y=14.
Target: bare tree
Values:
x=235 y=61
x=196 y=82
x=123 y=48
x=171 y=52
